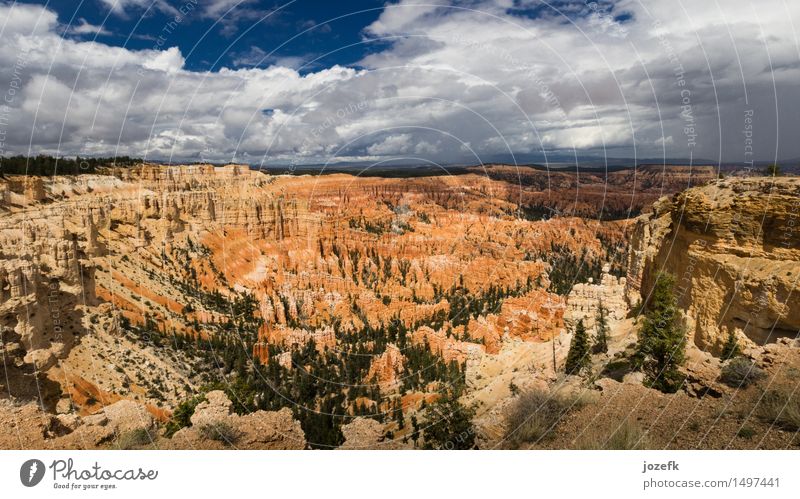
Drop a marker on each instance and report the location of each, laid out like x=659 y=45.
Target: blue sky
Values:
x=443 y=81
x=311 y=32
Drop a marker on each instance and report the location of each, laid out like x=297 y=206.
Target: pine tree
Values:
x=449 y=424
x=662 y=341
x=731 y=348
x=773 y=170
x=578 y=356
x=601 y=340
x=415 y=428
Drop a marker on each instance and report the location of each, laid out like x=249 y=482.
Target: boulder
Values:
x=216 y=407
x=365 y=433
x=127 y=415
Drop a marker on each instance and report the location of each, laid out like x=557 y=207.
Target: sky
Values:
x=411 y=81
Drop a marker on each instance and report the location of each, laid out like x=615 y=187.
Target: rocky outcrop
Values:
x=386 y=368
x=585 y=300
x=734 y=248
x=445 y=345
x=214 y=425
x=365 y=433
x=45 y=281
x=25 y=426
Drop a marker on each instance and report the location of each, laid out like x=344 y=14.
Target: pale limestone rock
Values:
x=127 y=415
x=257 y=430
x=584 y=300
x=366 y=433
x=633 y=378
x=216 y=407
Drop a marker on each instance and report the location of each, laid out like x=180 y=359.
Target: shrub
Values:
x=628 y=436
x=181 y=417
x=746 y=432
x=534 y=415
x=132 y=439
x=220 y=432
x=779 y=408
x=740 y=372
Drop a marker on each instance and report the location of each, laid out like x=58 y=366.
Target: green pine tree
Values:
x=731 y=348
x=578 y=356
x=773 y=170
x=601 y=321
x=449 y=424
x=415 y=428
x=661 y=348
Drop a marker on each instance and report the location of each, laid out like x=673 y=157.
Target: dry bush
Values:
x=627 y=436
x=780 y=408
x=534 y=414
x=220 y=432
x=740 y=372
x=139 y=437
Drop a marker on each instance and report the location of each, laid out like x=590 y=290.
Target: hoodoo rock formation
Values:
x=585 y=300
x=224 y=307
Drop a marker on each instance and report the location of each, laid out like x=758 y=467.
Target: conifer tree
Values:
x=773 y=170
x=449 y=424
x=662 y=341
x=578 y=356
x=601 y=321
x=731 y=348
x=415 y=428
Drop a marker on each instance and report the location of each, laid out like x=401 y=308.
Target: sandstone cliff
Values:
x=734 y=247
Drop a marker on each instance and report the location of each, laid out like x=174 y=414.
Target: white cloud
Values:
x=216 y=8
x=256 y=56
x=86 y=28
x=170 y=60
x=123 y=7
x=393 y=144
x=485 y=76
x=665 y=141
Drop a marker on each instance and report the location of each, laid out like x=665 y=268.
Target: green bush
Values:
x=746 y=432
x=181 y=416
x=731 y=349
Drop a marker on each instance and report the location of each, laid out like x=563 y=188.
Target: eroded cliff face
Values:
x=734 y=247
x=69 y=244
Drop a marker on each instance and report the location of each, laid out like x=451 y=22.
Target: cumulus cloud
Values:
x=458 y=81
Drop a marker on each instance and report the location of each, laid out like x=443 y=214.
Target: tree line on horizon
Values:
x=44 y=165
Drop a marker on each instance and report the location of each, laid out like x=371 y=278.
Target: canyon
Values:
x=217 y=306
